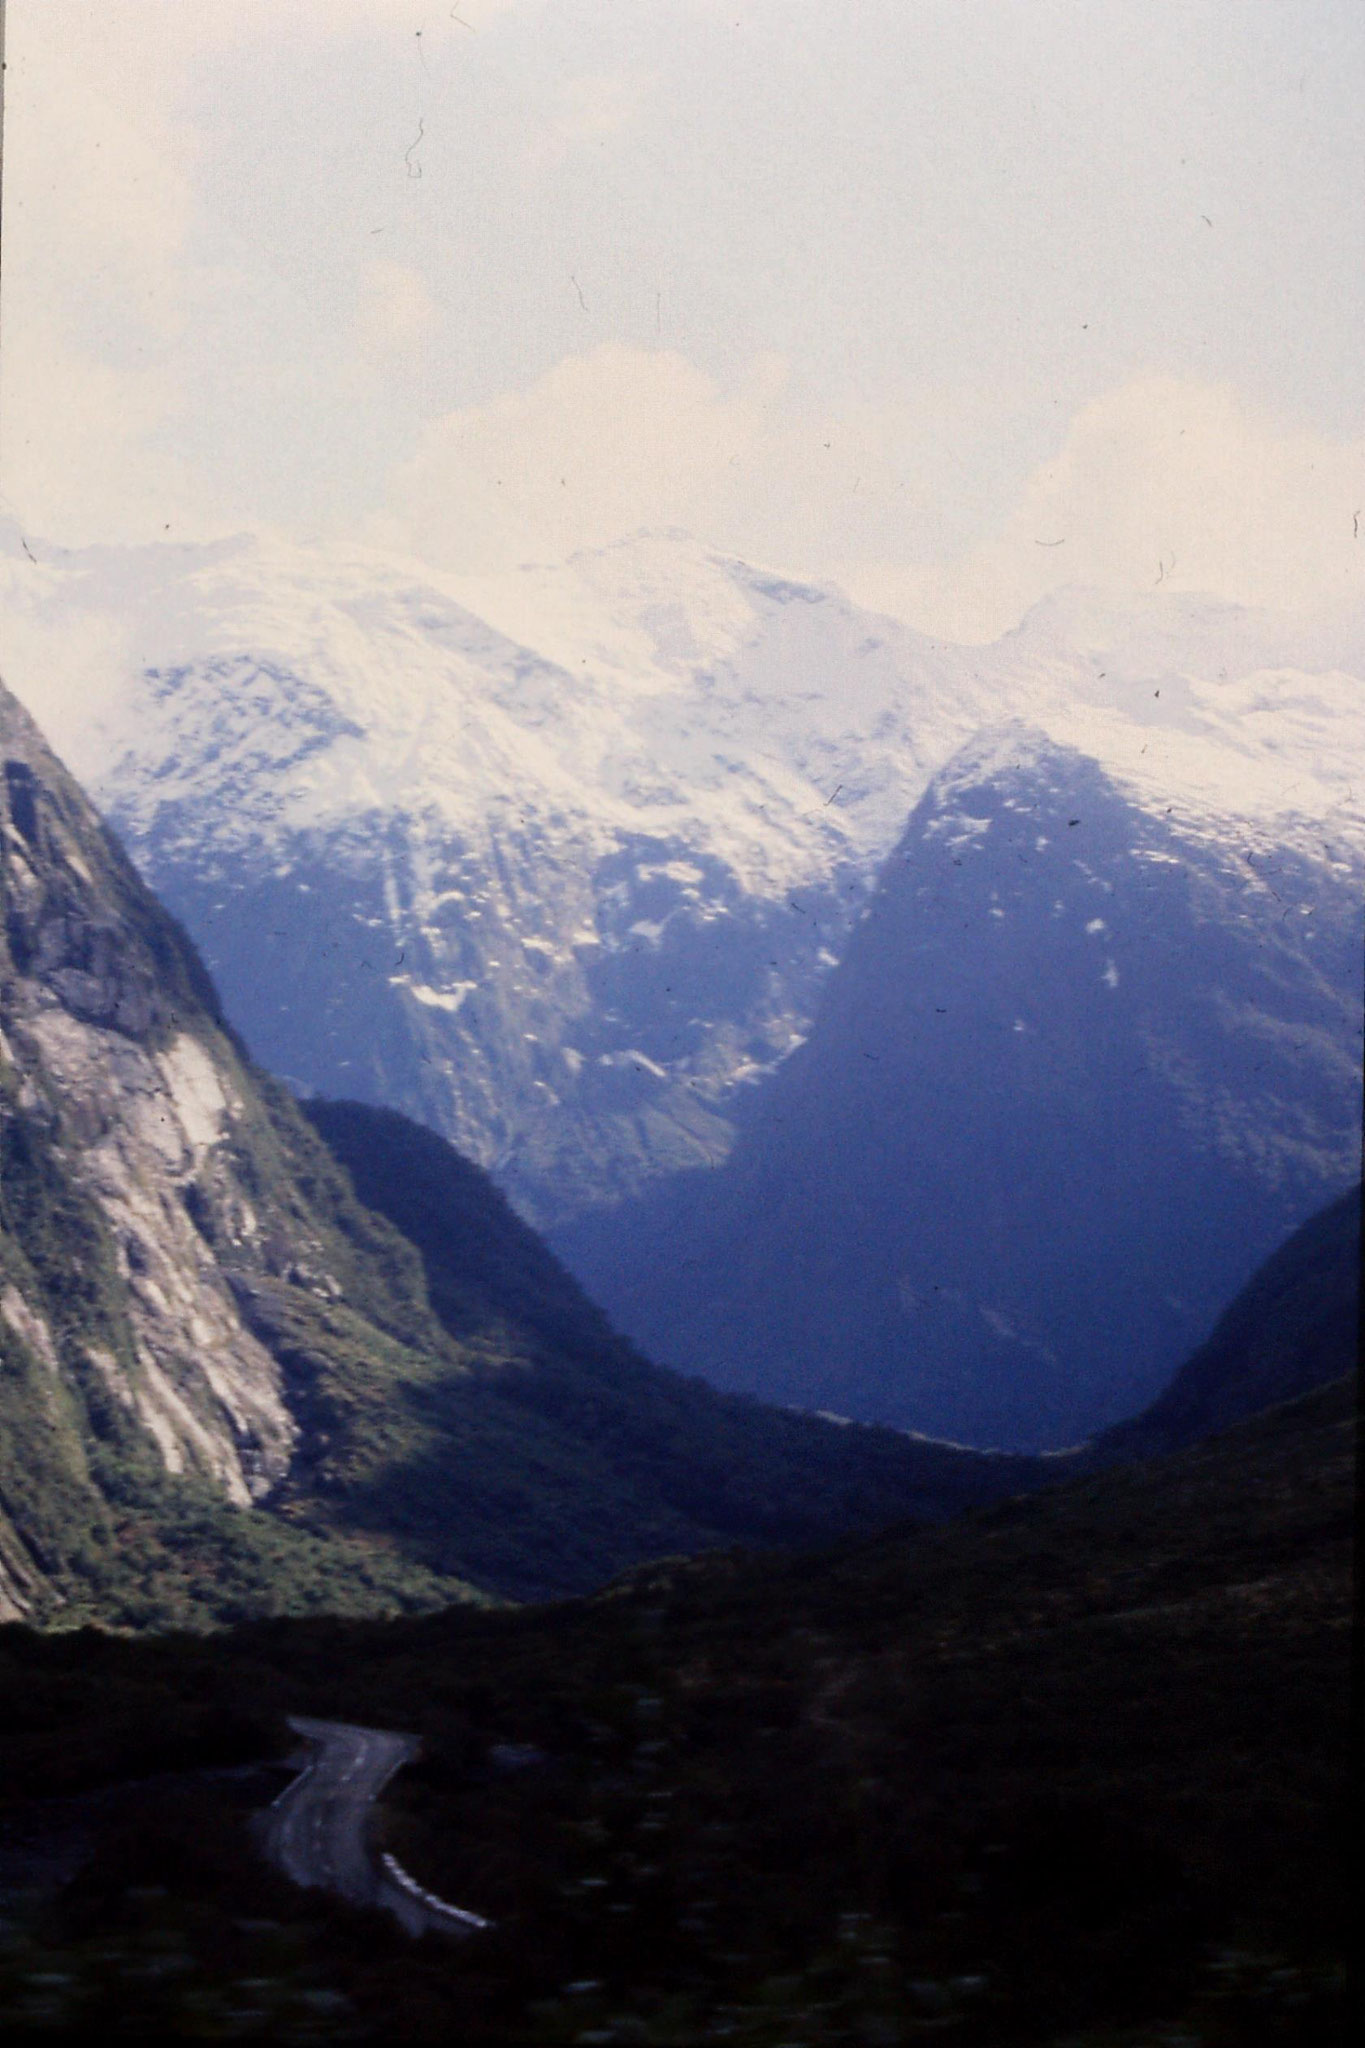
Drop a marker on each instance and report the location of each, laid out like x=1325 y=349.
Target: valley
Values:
x=1076 y=1074
x=966 y=1654
x=1072 y=1765
x=618 y=875
x=1071 y=1761
x=718 y=1719
x=682 y=1023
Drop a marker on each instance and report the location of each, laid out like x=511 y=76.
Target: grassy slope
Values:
x=117 y=1539
x=90 y=1523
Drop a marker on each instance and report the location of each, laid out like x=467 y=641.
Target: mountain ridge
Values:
x=559 y=865
x=1076 y=1073
x=1295 y=1326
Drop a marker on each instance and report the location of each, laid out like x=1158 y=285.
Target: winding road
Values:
x=317 y=1830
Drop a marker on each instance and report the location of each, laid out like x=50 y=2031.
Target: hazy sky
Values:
x=946 y=300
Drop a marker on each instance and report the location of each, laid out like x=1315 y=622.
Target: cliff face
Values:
x=561 y=868
x=123 y=1157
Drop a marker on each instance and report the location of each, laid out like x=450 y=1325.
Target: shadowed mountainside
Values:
x=1078 y=1072
x=1293 y=1327
x=687 y=1457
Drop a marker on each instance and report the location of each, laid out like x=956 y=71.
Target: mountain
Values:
x=1080 y=1069
x=557 y=864
x=226 y=1387
x=560 y=906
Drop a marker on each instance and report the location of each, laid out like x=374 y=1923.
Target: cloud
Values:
x=98 y=204
x=83 y=459
x=1161 y=483
x=622 y=438
x=99 y=192
x=166 y=364
x=603 y=444
x=396 y=311
x=110 y=319
x=589 y=111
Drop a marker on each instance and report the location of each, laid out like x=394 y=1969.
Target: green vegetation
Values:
x=1068 y=1770
x=1071 y=1770
x=97 y=1529
x=468 y=1425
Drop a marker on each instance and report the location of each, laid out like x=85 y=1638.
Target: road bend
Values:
x=317 y=1830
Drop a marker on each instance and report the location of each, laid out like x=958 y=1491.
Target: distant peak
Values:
x=1012 y=747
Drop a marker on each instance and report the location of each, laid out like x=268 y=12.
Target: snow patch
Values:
x=449 y=999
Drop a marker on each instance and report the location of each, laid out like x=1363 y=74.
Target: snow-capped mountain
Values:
x=1078 y=1071
x=557 y=863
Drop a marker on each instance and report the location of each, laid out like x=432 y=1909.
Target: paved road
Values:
x=316 y=1831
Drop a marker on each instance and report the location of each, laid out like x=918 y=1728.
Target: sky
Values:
x=945 y=301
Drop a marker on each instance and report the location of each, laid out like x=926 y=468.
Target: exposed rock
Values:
x=141 y=1107
x=559 y=866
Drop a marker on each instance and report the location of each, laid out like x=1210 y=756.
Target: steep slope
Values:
x=558 y=864
x=224 y=1386
x=1077 y=1073
x=654 y=1452
x=151 y=1188
x=1295 y=1326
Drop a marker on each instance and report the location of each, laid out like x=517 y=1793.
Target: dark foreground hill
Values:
x=228 y=1388
x=1071 y=1770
